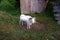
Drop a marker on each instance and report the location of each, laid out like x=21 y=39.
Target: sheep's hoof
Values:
x=28 y=27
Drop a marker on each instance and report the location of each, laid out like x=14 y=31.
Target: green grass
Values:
x=10 y=29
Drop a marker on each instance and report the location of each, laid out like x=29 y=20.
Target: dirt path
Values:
x=36 y=26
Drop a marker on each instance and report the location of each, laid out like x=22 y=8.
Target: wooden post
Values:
x=44 y=5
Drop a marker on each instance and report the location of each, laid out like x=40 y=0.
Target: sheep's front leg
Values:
x=28 y=26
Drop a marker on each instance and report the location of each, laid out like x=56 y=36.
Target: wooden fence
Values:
x=56 y=9
x=32 y=6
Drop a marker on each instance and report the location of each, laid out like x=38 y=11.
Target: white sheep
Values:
x=28 y=19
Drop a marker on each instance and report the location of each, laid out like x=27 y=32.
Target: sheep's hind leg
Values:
x=22 y=22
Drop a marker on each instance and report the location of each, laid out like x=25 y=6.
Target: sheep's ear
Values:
x=30 y=18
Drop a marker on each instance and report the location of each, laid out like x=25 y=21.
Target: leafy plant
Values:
x=7 y=4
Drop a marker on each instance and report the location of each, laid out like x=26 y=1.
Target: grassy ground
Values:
x=10 y=29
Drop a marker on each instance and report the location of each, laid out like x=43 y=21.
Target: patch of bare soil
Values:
x=36 y=26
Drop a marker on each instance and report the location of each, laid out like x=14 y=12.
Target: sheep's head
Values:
x=33 y=20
